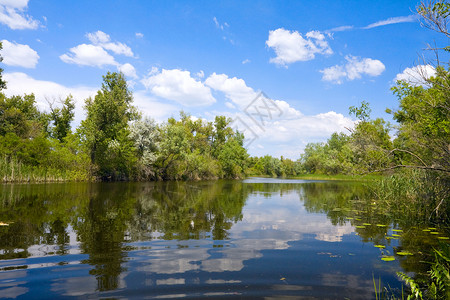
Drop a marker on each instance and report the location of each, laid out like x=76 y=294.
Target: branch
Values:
x=409 y=152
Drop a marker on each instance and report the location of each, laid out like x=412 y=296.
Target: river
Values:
x=255 y=238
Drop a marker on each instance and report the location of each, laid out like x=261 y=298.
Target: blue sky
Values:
x=313 y=59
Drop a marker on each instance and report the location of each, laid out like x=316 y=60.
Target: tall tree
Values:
x=105 y=129
x=61 y=118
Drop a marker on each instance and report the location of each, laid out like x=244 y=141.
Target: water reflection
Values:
x=260 y=237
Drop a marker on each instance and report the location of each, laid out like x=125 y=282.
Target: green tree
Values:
x=19 y=114
x=105 y=129
x=61 y=117
x=2 y=82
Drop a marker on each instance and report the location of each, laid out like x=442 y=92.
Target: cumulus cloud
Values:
x=128 y=70
x=20 y=83
x=291 y=47
x=139 y=35
x=150 y=106
x=12 y=14
x=97 y=55
x=394 y=20
x=99 y=38
x=235 y=89
x=19 y=55
x=88 y=55
x=179 y=86
x=353 y=69
x=416 y=75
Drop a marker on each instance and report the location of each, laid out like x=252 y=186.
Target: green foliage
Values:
x=2 y=82
x=19 y=115
x=61 y=118
x=437 y=284
x=104 y=131
x=362 y=113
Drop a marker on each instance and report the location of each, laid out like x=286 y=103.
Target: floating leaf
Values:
x=349 y=218
x=443 y=237
x=388 y=258
x=434 y=232
x=358 y=219
x=380 y=246
x=404 y=253
x=360 y=226
x=367 y=224
x=394 y=234
x=432 y=228
x=381 y=225
x=426 y=230
x=397 y=230
x=389 y=237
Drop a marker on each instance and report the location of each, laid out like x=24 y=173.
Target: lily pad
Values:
x=380 y=246
x=426 y=230
x=360 y=226
x=397 y=230
x=381 y=225
x=404 y=253
x=367 y=224
x=394 y=234
x=434 y=232
x=443 y=237
x=388 y=258
x=349 y=218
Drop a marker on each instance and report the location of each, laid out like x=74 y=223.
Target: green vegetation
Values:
x=113 y=143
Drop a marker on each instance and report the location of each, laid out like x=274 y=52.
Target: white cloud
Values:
x=200 y=74
x=19 y=55
x=291 y=47
x=230 y=105
x=12 y=14
x=88 y=55
x=353 y=69
x=220 y=26
x=394 y=20
x=99 y=38
x=234 y=88
x=179 y=86
x=139 y=35
x=128 y=70
x=416 y=75
x=341 y=28
x=20 y=83
x=153 y=108
x=246 y=61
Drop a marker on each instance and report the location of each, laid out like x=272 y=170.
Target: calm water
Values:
x=254 y=238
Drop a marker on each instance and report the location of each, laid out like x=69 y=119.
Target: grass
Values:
x=13 y=171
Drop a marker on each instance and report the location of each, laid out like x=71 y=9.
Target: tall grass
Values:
x=417 y=193
x=12 y=170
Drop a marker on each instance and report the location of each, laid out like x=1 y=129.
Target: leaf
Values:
x=404 y=253
x=387 y=258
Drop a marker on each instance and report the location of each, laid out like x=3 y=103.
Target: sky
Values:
x=286 y=72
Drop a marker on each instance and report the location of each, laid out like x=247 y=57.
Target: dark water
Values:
x=258 y=238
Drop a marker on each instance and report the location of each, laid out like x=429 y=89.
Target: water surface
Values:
x=257 y=238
